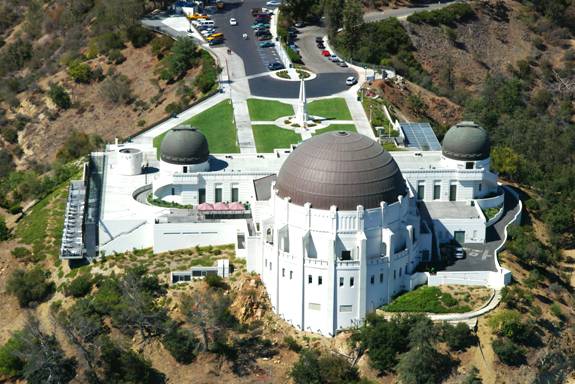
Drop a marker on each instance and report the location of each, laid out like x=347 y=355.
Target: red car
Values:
x=325 y=53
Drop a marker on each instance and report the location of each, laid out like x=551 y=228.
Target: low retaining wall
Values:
x=492 y=202
x=496 y=280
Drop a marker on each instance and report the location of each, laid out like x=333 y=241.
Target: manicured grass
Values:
x=426 y=299
x=217 y=123
x=335 y=108
x=391 y=147
x=270 y=137
x=336 y=127
x=268 y=110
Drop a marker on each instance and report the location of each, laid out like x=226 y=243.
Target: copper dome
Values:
x=344 y=169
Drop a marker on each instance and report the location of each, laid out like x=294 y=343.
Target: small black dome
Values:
x=466 y=141
x=343 y=169
x=184 y=145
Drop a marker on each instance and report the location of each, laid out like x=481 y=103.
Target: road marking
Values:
x=485 y=255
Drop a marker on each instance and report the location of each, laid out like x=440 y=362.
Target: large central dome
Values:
x=343 y=169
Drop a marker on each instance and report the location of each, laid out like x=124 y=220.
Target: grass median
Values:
x=270 y=137
x=335 y=109
x=268 y=110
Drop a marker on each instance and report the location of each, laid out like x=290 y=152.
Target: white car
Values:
x=273 y=3
x=351 y=80
x=233 y=21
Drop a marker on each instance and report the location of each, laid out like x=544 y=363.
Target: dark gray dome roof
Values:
x=343 y=169
x=466 y=141
x=184 y=145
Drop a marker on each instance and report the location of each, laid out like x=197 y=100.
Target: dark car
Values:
x=276 y=65
x=264 y=20
x=265 y=37
x=216 y=41
x=263 y=16
x=321 y=46
x=256 y=11
x=292 y=30
x=262 y=32
x=319 y=39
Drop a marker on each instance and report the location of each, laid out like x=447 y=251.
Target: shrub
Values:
x=458 y=337
x=508 y=323
x=78 y=144
x=508 y=352
x=216 y=282
x=9 y=134
x=4 y=231
x=292 y=344
x=455 y=13
x=313 y=368
x=555 y=309
x=80 y=286
x=107 y=41
x=115 y=56
x=21 y=253
x=173 y=108
x=59 y=96
x=80 y=72
x=29 y=287
x=10 y=364
x=138 y=35
x=183 y=54
x=181 y=343
x=15 y=56
x=116 y=89
x=161 y=45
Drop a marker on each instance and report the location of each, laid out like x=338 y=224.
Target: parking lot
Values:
x=255 y=59
x=311 y=55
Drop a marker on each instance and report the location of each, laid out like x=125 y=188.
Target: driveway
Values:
x=311 y=55
x=371 y=17
x=481 y=257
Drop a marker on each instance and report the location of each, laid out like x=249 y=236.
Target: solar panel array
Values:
x=420 y=136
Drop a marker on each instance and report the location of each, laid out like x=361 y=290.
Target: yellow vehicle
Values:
x=198 y=16
x=214 y=36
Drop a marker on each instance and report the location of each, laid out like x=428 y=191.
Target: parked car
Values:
x=319 y=39
x=207 y=32
x=267 y=44
x=276 y=65
x=342 y=64
x=217 y=41
x=260 y=25
x=267 y=11
x=215 y=36
x=262 y=20
x=459 y=253
x=320 y=46
x=265 y=37
x=233 y=21
x=294 y=47
x=273 y=3
x=351 y=81
x=325 y=53
x=292 y=30
x=262 y=32
x=255 y=11
x=299 y=24
x=333 y=58
x=264 y=15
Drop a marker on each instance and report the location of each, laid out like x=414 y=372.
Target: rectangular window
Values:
x=372 y=279
x=479 y=186
x=185 y=169
x=469 y=165
x=351 y=281
x=218 y=198
x=266 y=262
x=173 y=191
x=314 y=306
x=270 y=265
x=283 y=272
x=381 y=277
x=309 y=279
x=345 y=255
x=341 y=281
x=319 y=280
x=345 y=308
x=235 y=194
x=453 y=192
x=290 y=275
x=201 y=195
x=436 y=191
x=241 y=238
x=420 y=191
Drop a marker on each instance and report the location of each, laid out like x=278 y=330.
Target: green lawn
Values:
x=268 y=110
x=336 y=127
x=330 y=109
x=217 y=123
x=426 y=299
x=270 y=137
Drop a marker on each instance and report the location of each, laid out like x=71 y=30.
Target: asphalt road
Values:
x=371 y=17
x=482 y=257
x=330 y=79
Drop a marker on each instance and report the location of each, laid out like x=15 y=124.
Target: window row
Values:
x=218 y=195
x=436 y=191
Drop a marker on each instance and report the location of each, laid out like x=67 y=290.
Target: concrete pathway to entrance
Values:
x=358 y=115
